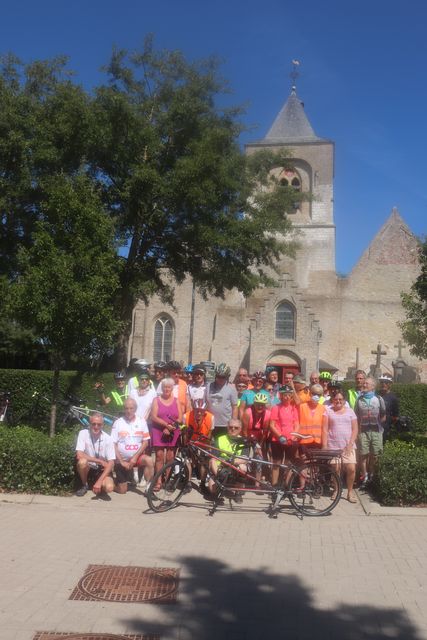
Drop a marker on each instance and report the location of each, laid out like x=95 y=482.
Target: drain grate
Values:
x=127 y=584
x=57 y=635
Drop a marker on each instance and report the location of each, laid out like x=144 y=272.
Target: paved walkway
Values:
x=243 y=576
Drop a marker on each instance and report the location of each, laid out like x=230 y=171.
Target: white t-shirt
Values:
x=128 y=436
x=101 y=447
x=196 y=393
x=144 y=402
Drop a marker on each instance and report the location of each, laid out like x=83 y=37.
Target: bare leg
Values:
x=350 y=474
x=160 y=460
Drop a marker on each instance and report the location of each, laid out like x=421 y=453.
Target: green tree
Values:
x=44 y=129
x=186 y=200
x=414 y=328
x=68 y=276
x=164 y=156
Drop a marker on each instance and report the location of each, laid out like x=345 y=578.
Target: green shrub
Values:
x=418 y=439
x=412 y=402
x=32 y=462
x=27 y=385
x=402 y=474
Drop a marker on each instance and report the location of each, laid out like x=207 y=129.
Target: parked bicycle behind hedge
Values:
x=6 y=415
x=312 y=486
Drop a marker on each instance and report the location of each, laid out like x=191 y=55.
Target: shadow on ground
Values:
x=218 y=602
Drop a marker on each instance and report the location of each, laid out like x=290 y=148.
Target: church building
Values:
x=314 y=318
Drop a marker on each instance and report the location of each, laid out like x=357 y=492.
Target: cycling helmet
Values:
x=260 y=398
x=174 y=365
x=258 y=374
x=334 y=384
x=120 y=375
x=269 y=370
x=285 y=389
x=199 y=403
x=222 y=370
x=189 y=368
x=325 y=375
x=160 y=365
x=138 y=366
x=200 y=368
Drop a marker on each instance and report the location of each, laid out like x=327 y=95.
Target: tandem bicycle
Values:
x=311 y=485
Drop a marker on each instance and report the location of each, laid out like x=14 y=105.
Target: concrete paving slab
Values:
x=242 y=575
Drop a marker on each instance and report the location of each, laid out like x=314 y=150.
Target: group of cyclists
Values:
x=256 y=412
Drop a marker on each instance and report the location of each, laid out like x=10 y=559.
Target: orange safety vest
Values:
x=204 y=429
x=182 y=393
x=311 y=422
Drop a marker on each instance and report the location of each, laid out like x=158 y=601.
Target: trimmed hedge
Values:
x=32 y=462
x=24 y=383
x=401 y=479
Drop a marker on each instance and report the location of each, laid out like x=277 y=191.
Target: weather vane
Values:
x=294 y=73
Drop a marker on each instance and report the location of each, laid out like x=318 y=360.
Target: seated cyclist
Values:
x=201 y=422
x=231 y=444
x=255 y=425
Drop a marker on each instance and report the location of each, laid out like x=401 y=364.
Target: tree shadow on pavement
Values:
x=218 y=602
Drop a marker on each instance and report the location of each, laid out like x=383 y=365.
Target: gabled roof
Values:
x=291 y=124
x=394 y=244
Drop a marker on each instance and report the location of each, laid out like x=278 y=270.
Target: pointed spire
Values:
x=291 y=125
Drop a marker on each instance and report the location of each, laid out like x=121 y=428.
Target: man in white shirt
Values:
x=95 y=457
x=131 y=439
x=144 y=395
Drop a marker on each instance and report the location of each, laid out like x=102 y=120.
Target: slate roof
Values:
x=291 y=124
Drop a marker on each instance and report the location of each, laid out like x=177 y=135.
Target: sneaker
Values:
x=135 y=476
x=142 y=484
x=363 y=480
x=82 y=491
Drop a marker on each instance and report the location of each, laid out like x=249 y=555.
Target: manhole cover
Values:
x=57 y=635
x=127 y=584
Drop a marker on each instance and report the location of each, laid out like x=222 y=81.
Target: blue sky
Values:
x=362 y=79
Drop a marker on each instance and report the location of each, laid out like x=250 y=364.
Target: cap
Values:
x=300 y=379
x=385 y=377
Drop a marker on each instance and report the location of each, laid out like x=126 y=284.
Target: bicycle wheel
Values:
x=314 y=489
x=174 y=477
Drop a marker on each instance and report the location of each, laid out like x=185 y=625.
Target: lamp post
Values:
x=197 y=261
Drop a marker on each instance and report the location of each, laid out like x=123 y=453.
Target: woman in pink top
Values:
x=283 y=420
x=165 y=412
x=342 y=434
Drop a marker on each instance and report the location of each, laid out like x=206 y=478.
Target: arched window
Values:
x=290 y=178
x=163 y=339
x=285 y=321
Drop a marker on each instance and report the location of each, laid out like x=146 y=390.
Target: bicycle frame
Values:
x=311 y=486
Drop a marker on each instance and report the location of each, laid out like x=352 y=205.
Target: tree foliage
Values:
x=414 y=328
x=164 y=157
x=68 y=277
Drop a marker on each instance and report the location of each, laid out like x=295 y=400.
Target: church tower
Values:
x=312 y=159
